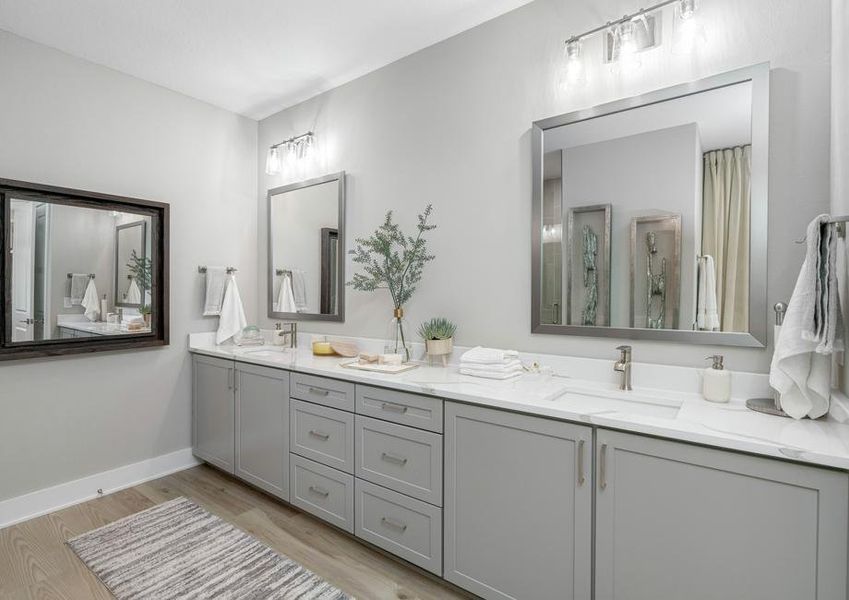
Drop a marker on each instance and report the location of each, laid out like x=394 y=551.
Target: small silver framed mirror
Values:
x=306 y=250
x=649 y=216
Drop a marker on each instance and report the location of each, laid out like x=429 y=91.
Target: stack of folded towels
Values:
x=491 y=363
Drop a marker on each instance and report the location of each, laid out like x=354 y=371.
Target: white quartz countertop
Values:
x=101 y=328
x=674 y=415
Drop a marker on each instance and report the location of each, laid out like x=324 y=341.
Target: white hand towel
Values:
x=488 y=374
x=90 y=301
x=232 y=319
x=79 y=285
x=299 y=288
x=488 y=356
x=216 y=281
x=286 y=297
x=707 y=318
x=133 y=295
x=812 y=330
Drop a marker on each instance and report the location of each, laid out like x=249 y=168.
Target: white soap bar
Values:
x=390 y=359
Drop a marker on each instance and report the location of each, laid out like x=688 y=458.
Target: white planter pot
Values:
x=440 y=348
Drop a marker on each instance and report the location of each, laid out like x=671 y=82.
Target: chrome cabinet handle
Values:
x=391 y=407
x=392 y=458
x=235 y=380
x=581 y=477
x=321 y=492
x=230 y=377
x=320 y=434
x=318 y=391
x=602 y=467
x=393 y=523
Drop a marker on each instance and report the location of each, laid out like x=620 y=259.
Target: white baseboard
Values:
x=41 y=502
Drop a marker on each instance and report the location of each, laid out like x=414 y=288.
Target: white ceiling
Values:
x=253 y=57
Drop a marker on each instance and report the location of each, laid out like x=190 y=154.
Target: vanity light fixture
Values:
x=289 y=152
x=625 y=38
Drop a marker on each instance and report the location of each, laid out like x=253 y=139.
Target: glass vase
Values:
x=397 y=339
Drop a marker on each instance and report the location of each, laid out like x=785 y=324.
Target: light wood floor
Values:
x=35 y=563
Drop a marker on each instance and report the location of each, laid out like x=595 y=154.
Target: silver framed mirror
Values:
x=694 y=154
x=132 y=265
x=306 y=250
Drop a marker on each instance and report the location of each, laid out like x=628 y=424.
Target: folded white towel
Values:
x=488 y=356
x=489 y=374
x=90 y=301
x=812 y=330
x=216 y=281
x=79 y=285
x=232 y=319
x=133 y=295
x=286 y=297
x=299 y=289
x=512 y=366
x=707 y=318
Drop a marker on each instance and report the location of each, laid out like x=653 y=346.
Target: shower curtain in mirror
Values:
x=725 y=236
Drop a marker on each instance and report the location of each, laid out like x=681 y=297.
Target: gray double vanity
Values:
x=513 y=505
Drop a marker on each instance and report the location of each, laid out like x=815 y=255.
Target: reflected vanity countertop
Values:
x=101 y=328
x=671 y=414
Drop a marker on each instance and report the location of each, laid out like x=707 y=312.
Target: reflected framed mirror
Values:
x=82 y=271
x=306 y=258
x=649 y=215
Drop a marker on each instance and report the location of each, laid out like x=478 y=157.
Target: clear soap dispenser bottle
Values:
x=716 y=383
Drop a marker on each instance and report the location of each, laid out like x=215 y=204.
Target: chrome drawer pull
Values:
x=393 y=523
x=320 y=435
x=318 y=391
x=602 y=467
x=581 y=462
x=392 y=458
x=321 y=492
x=389 y=406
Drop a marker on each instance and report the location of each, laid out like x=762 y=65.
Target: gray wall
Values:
x=451 y=125
x=67 y=122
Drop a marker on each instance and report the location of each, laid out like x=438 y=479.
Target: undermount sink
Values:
x=265 y=351
x=614 y=401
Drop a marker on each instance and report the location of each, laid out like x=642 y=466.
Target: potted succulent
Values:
x=394 y=261
x=145 y=312
x=438 y=334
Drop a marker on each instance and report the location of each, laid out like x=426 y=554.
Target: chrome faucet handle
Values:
x=625 y=350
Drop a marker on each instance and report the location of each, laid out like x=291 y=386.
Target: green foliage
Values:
x=392 y=260
x=145 y=309
x=438 y=328
x=141 y=269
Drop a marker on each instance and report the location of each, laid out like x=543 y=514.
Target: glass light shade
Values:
x=628 y=46
x=688 y=33
x=272 y=161
x=575 y=74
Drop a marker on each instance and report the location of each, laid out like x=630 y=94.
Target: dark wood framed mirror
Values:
x=82 y=271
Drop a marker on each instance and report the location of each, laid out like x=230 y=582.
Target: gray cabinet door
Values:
x=262 y=428
x=213 y=411
x=518 y=505
x=680 y=521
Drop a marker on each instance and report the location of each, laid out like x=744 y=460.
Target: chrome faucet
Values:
x=623 y=365
x=288 y=331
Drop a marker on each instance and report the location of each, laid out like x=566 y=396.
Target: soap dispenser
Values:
x=716 y=383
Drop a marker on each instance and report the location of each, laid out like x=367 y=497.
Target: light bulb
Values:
x=628 y=46
x=575 y=73
x=272 y=161
x=687 y=31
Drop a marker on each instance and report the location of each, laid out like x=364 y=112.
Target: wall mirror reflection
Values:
x=306 y=227
x=80 y=267
x=650 y=215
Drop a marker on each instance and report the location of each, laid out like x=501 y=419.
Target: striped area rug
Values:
x=178 y=550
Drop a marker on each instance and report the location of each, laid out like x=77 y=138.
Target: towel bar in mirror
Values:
x=82 y=271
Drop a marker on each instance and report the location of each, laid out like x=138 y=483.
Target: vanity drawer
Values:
x=325 y=435
x=401 y=458
x=400 y=407
x=404 y=526
x=324 y=492
x=329 y=392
